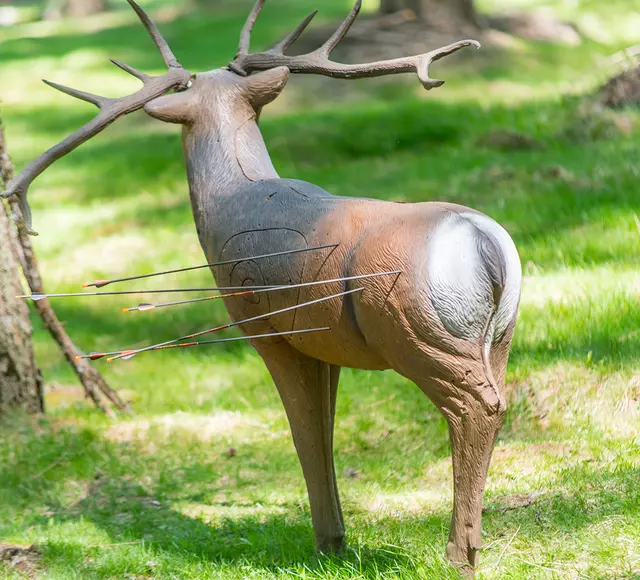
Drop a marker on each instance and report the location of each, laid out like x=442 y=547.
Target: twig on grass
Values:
x=507 y=547
x=50 y=466
x=118 y=544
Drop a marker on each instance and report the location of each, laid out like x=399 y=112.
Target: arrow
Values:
x=35 y=297
x=103 y=283
x=131 y=353
x=147 y=307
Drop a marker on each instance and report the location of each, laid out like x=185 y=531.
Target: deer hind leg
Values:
x=308 y=389
x=473 y=406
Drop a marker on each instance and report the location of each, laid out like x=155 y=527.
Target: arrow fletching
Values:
x=140 y=308
x=126 y=355
x=92 y=356
x=97 y=284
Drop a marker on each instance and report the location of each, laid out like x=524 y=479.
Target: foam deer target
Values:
x=444 y=316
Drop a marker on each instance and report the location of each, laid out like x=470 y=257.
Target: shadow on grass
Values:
x=590 y=494
x=131 y=493
x=129 y=513
x=267 y=542
x=117 y=503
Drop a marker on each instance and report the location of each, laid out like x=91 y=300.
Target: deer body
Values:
x=242 y=208
x=445 y=322
x=444 y=318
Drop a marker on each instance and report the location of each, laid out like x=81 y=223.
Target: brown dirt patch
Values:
x=622 y=90
x=512 y=502
x=24 y=559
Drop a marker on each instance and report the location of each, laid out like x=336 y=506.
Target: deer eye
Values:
x=187 y=86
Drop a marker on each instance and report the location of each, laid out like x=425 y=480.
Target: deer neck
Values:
x=222 y=159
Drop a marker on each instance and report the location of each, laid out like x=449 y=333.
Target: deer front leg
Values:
x=308 y=389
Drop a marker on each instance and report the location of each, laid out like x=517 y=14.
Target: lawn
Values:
x=203 y=481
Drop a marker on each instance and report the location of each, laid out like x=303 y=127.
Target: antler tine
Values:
x=132 y=71
x=96 y=100
x=245 y=35
x=329 y=46
x=169 y=58
x=110 y=110
x=318 y=62
x=293 y=36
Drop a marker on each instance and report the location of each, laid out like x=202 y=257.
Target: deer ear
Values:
x=264 y=87
x=173 y=108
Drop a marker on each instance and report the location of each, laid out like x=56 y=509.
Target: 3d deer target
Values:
x=430 y=290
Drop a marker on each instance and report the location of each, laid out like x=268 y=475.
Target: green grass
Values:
x=159 y=495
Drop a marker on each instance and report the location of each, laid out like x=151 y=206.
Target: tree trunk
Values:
x=391 y=6
x=442 y=15
x=20 y=378
x=81 y=8
x=56 y=9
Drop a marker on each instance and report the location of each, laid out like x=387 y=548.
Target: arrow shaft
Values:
x=141 y=292
x=268 y=289
x=223 y=263
x=238 y=338
x=220 y=341
x=182 y=302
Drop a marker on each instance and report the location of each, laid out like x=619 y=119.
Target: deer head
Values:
x=248 y=83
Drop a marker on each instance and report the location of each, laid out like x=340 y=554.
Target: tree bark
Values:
x=20 y=378
x=391 y=6
x=445 y=15
x=90 y=378
x=82 y=8
x=56 y=9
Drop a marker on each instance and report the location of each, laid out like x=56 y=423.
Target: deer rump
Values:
x=459 y=287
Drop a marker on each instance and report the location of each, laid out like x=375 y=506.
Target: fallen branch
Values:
x=514 y=501
x=91 y=379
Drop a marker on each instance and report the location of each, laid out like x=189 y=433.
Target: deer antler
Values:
x=318 y=61
x=110 y=110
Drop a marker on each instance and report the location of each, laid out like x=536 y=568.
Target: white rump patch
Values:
x=511 y=294
x=460 y=287
x=461 y=279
